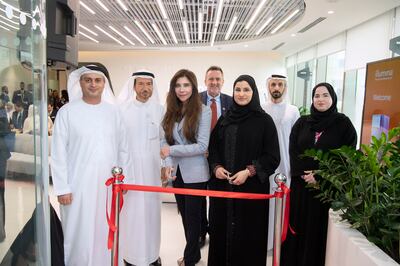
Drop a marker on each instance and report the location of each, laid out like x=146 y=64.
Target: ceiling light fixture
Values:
x=8 y=25
x=89 y=30
x=171 y=30
x=285 y=20
x=90 y=38
x=144 y=31
x=219 y=12
x=256 y=12
x=87 y=7
x=214 y=33
x=200 y=24
x=4 y=28
x=109 y=35
x=233 y=22
x=163 y=12
x=293 y=34
x=264 y=25
x=134 y=35
x=121 y=4
x=9 y=20
x=159 y=33
x=180 y=4
x=120 y=34
x=331 y=12
x=103 y=5
x=186 y=31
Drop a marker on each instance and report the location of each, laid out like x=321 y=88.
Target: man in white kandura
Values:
x=141 y=216
x=88 y=140
x=284 y=116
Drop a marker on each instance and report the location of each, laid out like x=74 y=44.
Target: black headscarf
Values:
x=322 y=120
x=238 y=113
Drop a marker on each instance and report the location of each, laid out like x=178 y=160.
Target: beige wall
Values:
x=164 y=64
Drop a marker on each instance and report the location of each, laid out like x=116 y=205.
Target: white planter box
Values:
x=348 y=247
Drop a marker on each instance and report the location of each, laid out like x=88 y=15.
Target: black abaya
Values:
x=308 y=216
x=239 y=228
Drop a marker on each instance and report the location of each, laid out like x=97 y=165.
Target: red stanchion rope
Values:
x=119 y=188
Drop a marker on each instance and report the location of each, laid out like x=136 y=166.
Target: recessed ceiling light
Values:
x=285 y=20
x=9 y=25
x=9 y=20
x=144 y=31
x=186 y=31
x=162 y=8
x=109 y=35
x=200 y=26
x=134 y=35
x=253 y=17
x=231 y=25
x=214 y=33
x=120 y=34
x=331 y=12
x=293 y=34
x=121 y=4
x=180 y=4
x=87 y=36
x=87 y=8
x=246 y=45
x=264 y=25
x=89 y=30
x=219 y=11
x=171 y=30
x=103 y=5
x=158 y=32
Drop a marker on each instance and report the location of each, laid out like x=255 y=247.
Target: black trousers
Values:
x=190 y=208
x=204 y=220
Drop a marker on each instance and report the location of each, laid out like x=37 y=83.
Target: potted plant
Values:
x=364 y=185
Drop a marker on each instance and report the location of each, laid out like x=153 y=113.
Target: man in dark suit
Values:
x=18 y=117
x=214 y=81
x=219 y=104
x=23 y=96
x=4 y=95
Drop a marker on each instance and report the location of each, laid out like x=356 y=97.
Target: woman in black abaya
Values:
x=243 y=153
x=323 y=129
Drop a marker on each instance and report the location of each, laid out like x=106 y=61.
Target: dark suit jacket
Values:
x=18 y=124
x=226 y=101
x=53 y=114
x=26 y=98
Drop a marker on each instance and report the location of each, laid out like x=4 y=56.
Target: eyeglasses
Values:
x=183 y=85
x=279 y=84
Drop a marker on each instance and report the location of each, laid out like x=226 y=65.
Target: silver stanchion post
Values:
x=116 y=171
x=279 y=179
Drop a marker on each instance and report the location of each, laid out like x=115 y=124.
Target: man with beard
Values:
x=141 y=216
x=284 y=116
x=89 y=139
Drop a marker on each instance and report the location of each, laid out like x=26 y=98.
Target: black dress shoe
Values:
x=202 y=241
x=156 y=263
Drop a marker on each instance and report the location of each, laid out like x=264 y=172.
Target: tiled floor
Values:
x=20 y=203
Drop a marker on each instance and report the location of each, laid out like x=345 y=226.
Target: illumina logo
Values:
x=384 y=74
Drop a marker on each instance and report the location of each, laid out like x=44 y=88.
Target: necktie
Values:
x=19 y=122
x=214 y=117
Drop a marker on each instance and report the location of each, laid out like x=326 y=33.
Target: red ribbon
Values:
x=118 y=188
x=284 y=190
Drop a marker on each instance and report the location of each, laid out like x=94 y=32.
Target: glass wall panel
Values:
x=321 y=69
x=24 y=207
x=291 y=82
x=304 y=82
x=334 y=74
